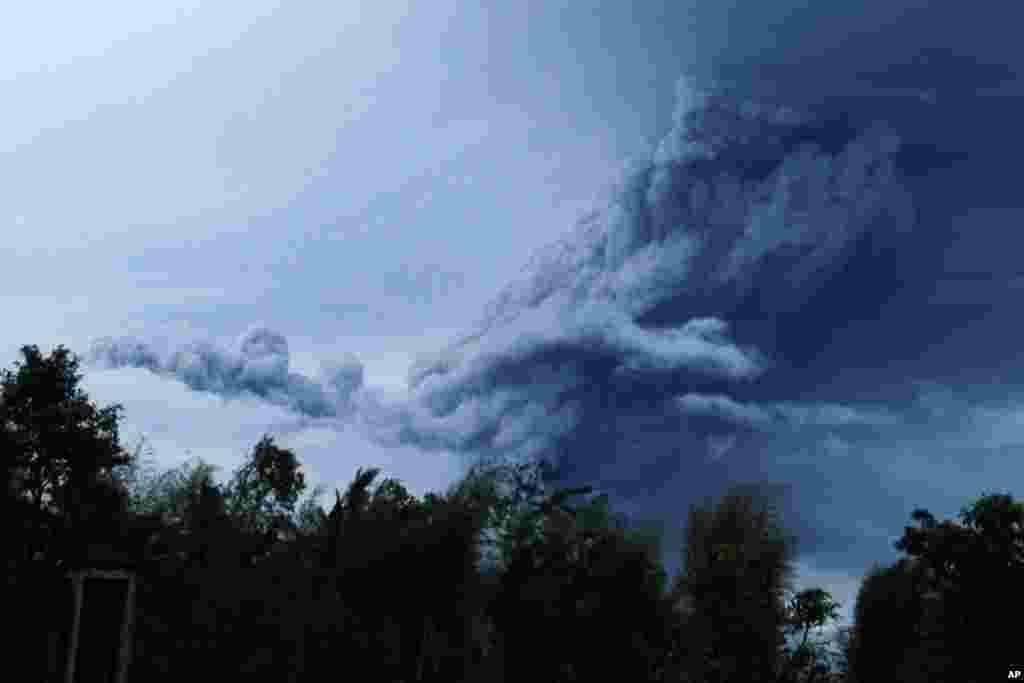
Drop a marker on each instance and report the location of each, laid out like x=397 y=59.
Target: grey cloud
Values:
x=475 y=410
x=677 y=324
x=835 y=415
x=344 y=376
x=258 y=364
x=726 y=408
x=123 y=352
x=736 y=194
x=820 y=420
x=713 y=215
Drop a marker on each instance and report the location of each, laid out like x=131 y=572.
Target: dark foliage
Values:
x=264 y=490
x=55 y=442
x=233 y=582
x=58 y=451
x=737 y=564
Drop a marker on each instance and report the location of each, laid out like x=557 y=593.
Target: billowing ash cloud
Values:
x=258 y=365
x=628 y=323
x=739 y=205
x=735 y=311
x=682 y=336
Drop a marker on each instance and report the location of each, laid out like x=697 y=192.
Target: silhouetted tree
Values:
x=809 y=609
x=887 y=622
x=53 y=433
x=975 y=568
x=258 y=501
x=737 y=564
x=168 y=493
x=522 y=499
x=579 y=594
x=264 y=490
x=310 y=518
x=58 y=448
x=371 y=539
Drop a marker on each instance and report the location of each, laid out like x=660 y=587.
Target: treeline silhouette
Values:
x=500 y=578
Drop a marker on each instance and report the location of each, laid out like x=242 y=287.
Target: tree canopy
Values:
x=401 y=580
x=737 y=565
x=52 y=434
x=264 y=490
x=59 y=451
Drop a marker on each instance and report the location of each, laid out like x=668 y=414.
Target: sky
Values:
x=672 y=246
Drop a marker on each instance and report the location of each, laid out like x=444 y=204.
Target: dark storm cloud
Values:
x=258 y=366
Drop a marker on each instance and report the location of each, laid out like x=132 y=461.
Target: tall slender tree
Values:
x=738 y=562
x=809 y=609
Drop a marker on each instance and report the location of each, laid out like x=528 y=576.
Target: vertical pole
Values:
x=299 y=663
x=420 y=655
x=77 y=583
x=127 y=631
x=51 y=654
x=468 y=644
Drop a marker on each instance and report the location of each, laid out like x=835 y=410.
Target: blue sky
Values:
x=561 y=220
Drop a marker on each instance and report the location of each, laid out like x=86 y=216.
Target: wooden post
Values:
x=77 y=579
x=422 y=654
x=127 y=631
x=52 y=639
